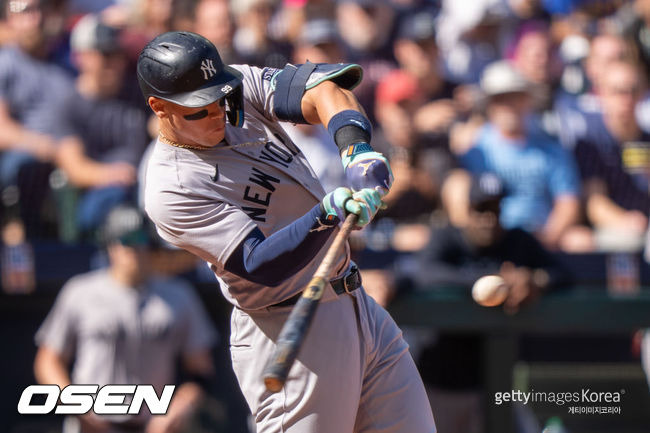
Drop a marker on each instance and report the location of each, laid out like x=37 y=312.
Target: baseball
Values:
x=490 y=291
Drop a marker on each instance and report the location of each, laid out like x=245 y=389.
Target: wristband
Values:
x=349 y=127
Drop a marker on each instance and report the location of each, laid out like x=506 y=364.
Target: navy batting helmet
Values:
x=186 y=69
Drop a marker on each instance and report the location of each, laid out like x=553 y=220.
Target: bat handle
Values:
x=288 y=344
x=297 y=324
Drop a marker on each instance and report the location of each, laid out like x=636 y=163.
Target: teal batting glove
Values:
x=370 y=201
x=341 y=202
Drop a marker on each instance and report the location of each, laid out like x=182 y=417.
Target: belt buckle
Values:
x=345 y=286
x=353 y=275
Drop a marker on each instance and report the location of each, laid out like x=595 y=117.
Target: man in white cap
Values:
x=539 y=176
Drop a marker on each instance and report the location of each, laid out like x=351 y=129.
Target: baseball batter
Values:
x=226 y=183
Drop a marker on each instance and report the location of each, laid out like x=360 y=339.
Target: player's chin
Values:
x=216 y=134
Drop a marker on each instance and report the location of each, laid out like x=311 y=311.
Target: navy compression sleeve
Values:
x=271 y=260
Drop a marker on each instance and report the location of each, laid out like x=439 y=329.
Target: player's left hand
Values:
x=370 y=202
x=364 y=203
x=365 y=168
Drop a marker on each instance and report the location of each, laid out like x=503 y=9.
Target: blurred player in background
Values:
x=122 y=325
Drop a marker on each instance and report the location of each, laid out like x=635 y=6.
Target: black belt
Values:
x=346 y=284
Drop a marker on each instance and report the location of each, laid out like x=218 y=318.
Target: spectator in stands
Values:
x=456 y=257
x=318 y=43
x=412 y=156
x=155 y=16
x=539 y=176
x=365 y=27
x=572 y=108
x=105 y=135
x=532 y=56
x=531 y=52
x=604 y=49
x=633 y=21
x=299 y=12
x=206 y=14
x=123 y=325
x=470 y=36
x=142 y=20
x=397 y=99
x=417 y=54
x=617 y=197
x=30 y=91
x=253 y=40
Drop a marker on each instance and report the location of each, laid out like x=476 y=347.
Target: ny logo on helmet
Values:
x=208 y=69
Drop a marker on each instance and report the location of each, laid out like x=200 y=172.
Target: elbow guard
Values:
x=292 y=82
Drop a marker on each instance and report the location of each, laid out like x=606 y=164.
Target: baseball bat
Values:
x=295 y=328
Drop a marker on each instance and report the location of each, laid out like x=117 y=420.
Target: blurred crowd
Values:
x=549 y=96
x=514 y=128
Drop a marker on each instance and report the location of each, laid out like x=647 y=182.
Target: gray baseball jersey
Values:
x=124 y=335
x=207 y=201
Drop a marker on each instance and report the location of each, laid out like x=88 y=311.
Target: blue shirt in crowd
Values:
x=534 y=172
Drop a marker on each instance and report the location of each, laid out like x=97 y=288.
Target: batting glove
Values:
x=365 y=168
x=342 y=201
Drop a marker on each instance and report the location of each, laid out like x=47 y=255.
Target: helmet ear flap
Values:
x=235 y=107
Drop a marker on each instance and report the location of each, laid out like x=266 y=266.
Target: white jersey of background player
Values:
x=226 y=183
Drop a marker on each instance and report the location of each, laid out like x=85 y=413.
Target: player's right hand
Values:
x=365 y=168
x=342 y=201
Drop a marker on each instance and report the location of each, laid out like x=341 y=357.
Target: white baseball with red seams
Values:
x=490 y=291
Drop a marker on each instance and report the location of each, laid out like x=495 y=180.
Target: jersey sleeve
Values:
x=277 y=93
x=258 y=88
x=59 y=331
x=207 y=228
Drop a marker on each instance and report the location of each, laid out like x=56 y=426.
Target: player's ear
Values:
x=158 y=106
